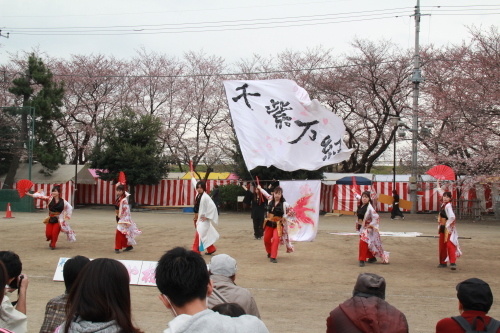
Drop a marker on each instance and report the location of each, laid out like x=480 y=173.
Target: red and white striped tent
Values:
x=63 y=176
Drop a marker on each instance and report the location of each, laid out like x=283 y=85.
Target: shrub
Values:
x=229 y=195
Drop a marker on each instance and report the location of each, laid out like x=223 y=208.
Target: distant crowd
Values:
x=97 y=299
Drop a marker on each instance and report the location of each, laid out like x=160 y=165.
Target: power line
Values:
x=241 y=73
x=362 y=13
x=204 y=30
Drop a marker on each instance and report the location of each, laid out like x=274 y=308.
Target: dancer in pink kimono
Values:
x=59 y=211
x=367 y=224
x=126 y=229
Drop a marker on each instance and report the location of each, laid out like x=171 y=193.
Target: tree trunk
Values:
x=131 y=200
x=14 y=165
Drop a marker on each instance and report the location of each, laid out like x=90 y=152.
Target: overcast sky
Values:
x=230 y=29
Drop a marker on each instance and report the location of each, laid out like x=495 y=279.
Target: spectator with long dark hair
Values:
x=100 y=300
x=13 y=314
x=3 y=283
x=55 y=311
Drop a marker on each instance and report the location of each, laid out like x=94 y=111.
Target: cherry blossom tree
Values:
x=461 y=95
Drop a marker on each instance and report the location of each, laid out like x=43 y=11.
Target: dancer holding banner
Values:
x=258 y=204
x=449 y=249
x=59 y=211
x=367 y=224
x=126 y=229
x=205 y=212
x=276 y=223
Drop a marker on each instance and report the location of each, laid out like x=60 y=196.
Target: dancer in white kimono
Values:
x=205 y=212
x=367 y=224
x=126 y=229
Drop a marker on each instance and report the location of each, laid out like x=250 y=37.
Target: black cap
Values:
x=370 y=284
x=475 y=294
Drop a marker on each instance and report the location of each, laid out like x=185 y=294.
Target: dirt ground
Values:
x=295 y=295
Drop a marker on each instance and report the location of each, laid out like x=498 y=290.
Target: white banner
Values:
x=277 y=124
x=303 y=196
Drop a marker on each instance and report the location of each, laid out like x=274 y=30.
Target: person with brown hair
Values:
x=126 y=229
x=367 y=224
x=100 y=300
x=59 y=211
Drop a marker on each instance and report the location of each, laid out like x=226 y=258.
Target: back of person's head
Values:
x=475 y=294
x=101 y=294
x=182 y=276
x=71 y=269
x=12 y=263
x=229 y=309
x=368 y=285
x=223 y=264
x=3 y=281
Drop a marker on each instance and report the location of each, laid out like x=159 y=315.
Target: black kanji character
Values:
x=279 y=114
x=307 y=126
x=327 y=146
x=244 y=95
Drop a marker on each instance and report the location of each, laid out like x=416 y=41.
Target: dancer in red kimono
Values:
x=276 y=224
x=449 y=249
x=59 y=211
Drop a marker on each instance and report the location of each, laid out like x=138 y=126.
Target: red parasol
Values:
x=121 y=178
x=442 y=172
x=191 y=166
x=23 y=186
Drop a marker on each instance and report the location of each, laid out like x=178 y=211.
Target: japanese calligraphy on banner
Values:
x=277 y=124
x=303 y=196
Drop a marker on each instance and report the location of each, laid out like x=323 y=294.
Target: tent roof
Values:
x=63 y=174
x=331 y=178
x=388 y=178
x=359 y=180
x=212 y=176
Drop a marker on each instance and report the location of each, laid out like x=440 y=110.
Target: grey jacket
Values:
x=231 y=293
x=208 y=321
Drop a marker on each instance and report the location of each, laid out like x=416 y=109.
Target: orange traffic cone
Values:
x=8 y=213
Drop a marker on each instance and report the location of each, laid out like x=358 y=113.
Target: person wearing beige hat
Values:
x=223 y=274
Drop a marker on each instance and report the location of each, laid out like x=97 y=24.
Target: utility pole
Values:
x=416 y=79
